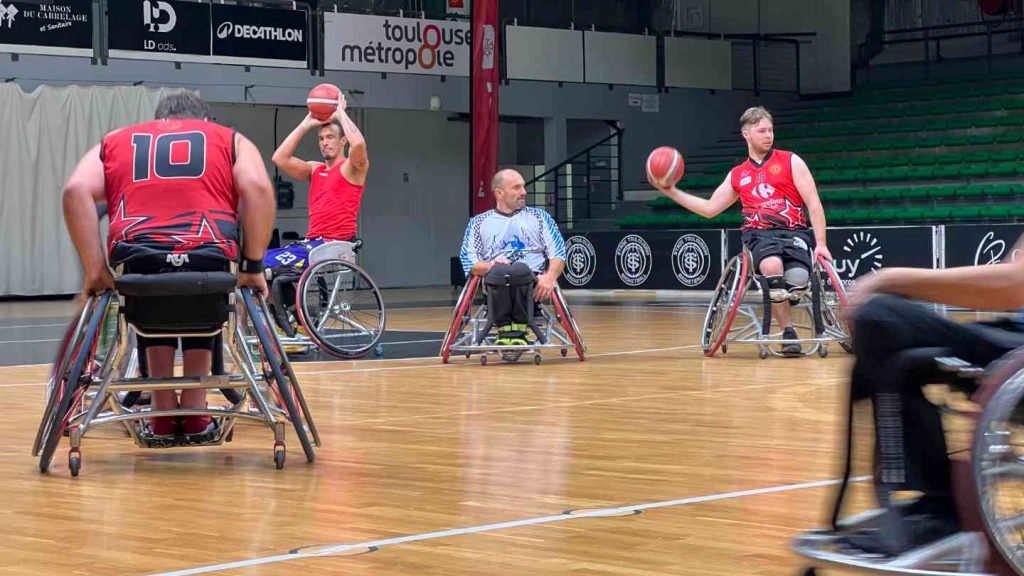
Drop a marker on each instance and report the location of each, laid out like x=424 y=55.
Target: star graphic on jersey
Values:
x=203 y=235
x=754 y=220
x=793 y=214
x=132 y=221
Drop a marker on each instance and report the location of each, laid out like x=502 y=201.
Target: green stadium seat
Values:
x=888 y=193
x=964 y=212
x=994 y=212
x=974 y=171
x=986 y=122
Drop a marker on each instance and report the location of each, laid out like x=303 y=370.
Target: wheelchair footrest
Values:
x=959 y=367
x=209 y=438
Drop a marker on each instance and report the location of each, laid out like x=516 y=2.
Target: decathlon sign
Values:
x=404 y=45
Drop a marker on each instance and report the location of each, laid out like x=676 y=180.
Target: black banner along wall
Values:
x=58 y=27
x=860 y=250
x=974 y=245
x=201 y=32
x=159 y=26
x=653 y=260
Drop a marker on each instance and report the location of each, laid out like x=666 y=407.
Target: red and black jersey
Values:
x=169 y=184
x=768 y=194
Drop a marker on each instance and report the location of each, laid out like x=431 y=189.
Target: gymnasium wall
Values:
x=429 y=212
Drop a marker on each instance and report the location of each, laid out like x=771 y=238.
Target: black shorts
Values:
x=793 y=246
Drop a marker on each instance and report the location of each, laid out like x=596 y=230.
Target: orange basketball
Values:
x=322 y=101
x=665 y=166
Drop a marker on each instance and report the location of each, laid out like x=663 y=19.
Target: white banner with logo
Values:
x=405 y=45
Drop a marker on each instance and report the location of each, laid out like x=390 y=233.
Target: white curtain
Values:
x=43 y=134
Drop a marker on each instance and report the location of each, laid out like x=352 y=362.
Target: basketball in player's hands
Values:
x=322 y=101
x=665 y=166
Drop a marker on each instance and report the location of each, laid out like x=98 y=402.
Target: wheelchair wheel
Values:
x=460 y=316
x=341 y=308
x=70 y=378
x=724 y=303
x=998 y=463
x=833 y=296
x=569 y=324
x=274 y=358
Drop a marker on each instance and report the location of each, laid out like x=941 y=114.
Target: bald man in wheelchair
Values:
x=890 y=331
x=515 y=249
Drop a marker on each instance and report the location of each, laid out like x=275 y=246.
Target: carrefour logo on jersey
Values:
x=382 y=44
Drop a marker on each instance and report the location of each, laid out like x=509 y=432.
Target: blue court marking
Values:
x=501 y=526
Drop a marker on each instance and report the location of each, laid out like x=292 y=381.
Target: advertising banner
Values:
x=404 y=45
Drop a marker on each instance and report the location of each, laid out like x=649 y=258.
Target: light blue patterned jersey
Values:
x=530 y=235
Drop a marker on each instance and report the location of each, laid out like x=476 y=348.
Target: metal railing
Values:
x=932 y=39
x=584 y=186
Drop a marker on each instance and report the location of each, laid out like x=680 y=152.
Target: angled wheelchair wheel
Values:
x=724 y=303
x=569 y=324
x=460 y=316
x=341 y=308
x=70 y=377
x=998 y=464
x=833 y=303
x=275 y=366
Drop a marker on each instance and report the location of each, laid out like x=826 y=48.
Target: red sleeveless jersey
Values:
x=333 y=204
x=170 y=182
x=768 y=194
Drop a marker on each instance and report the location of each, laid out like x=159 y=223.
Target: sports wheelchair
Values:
x=821 y=300
x=92 y=380
x=337 y=306
x=470 y=332
x=989 y=490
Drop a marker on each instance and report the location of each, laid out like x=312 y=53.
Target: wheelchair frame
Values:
x=333 y=253
x=982 y=548
x=730 y=299
x=71 y=406
x=476 y=341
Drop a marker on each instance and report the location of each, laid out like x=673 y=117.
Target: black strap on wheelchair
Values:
x=847 y=465
x=766 y=296
x=176 y=284
x=816 y=294
x=280 y=307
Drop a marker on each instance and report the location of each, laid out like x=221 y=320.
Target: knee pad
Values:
x=777 y=290
x=796 y=277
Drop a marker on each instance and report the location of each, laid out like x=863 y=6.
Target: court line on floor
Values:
x=29 y=341
x=338 y=548
x=440 y=365
x=33 y=326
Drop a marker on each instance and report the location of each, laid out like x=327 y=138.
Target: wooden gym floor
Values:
x=459 y=469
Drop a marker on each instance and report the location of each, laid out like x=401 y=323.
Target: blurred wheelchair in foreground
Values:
x=988 y=490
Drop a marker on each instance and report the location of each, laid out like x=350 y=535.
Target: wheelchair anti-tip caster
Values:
x=725 y=348
x=279 y=455
x=483 y=359
x=379 y=350
x=564 y=352
x=537 y=359
x=762 y=353
x=823 y=351
x=75 y=461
